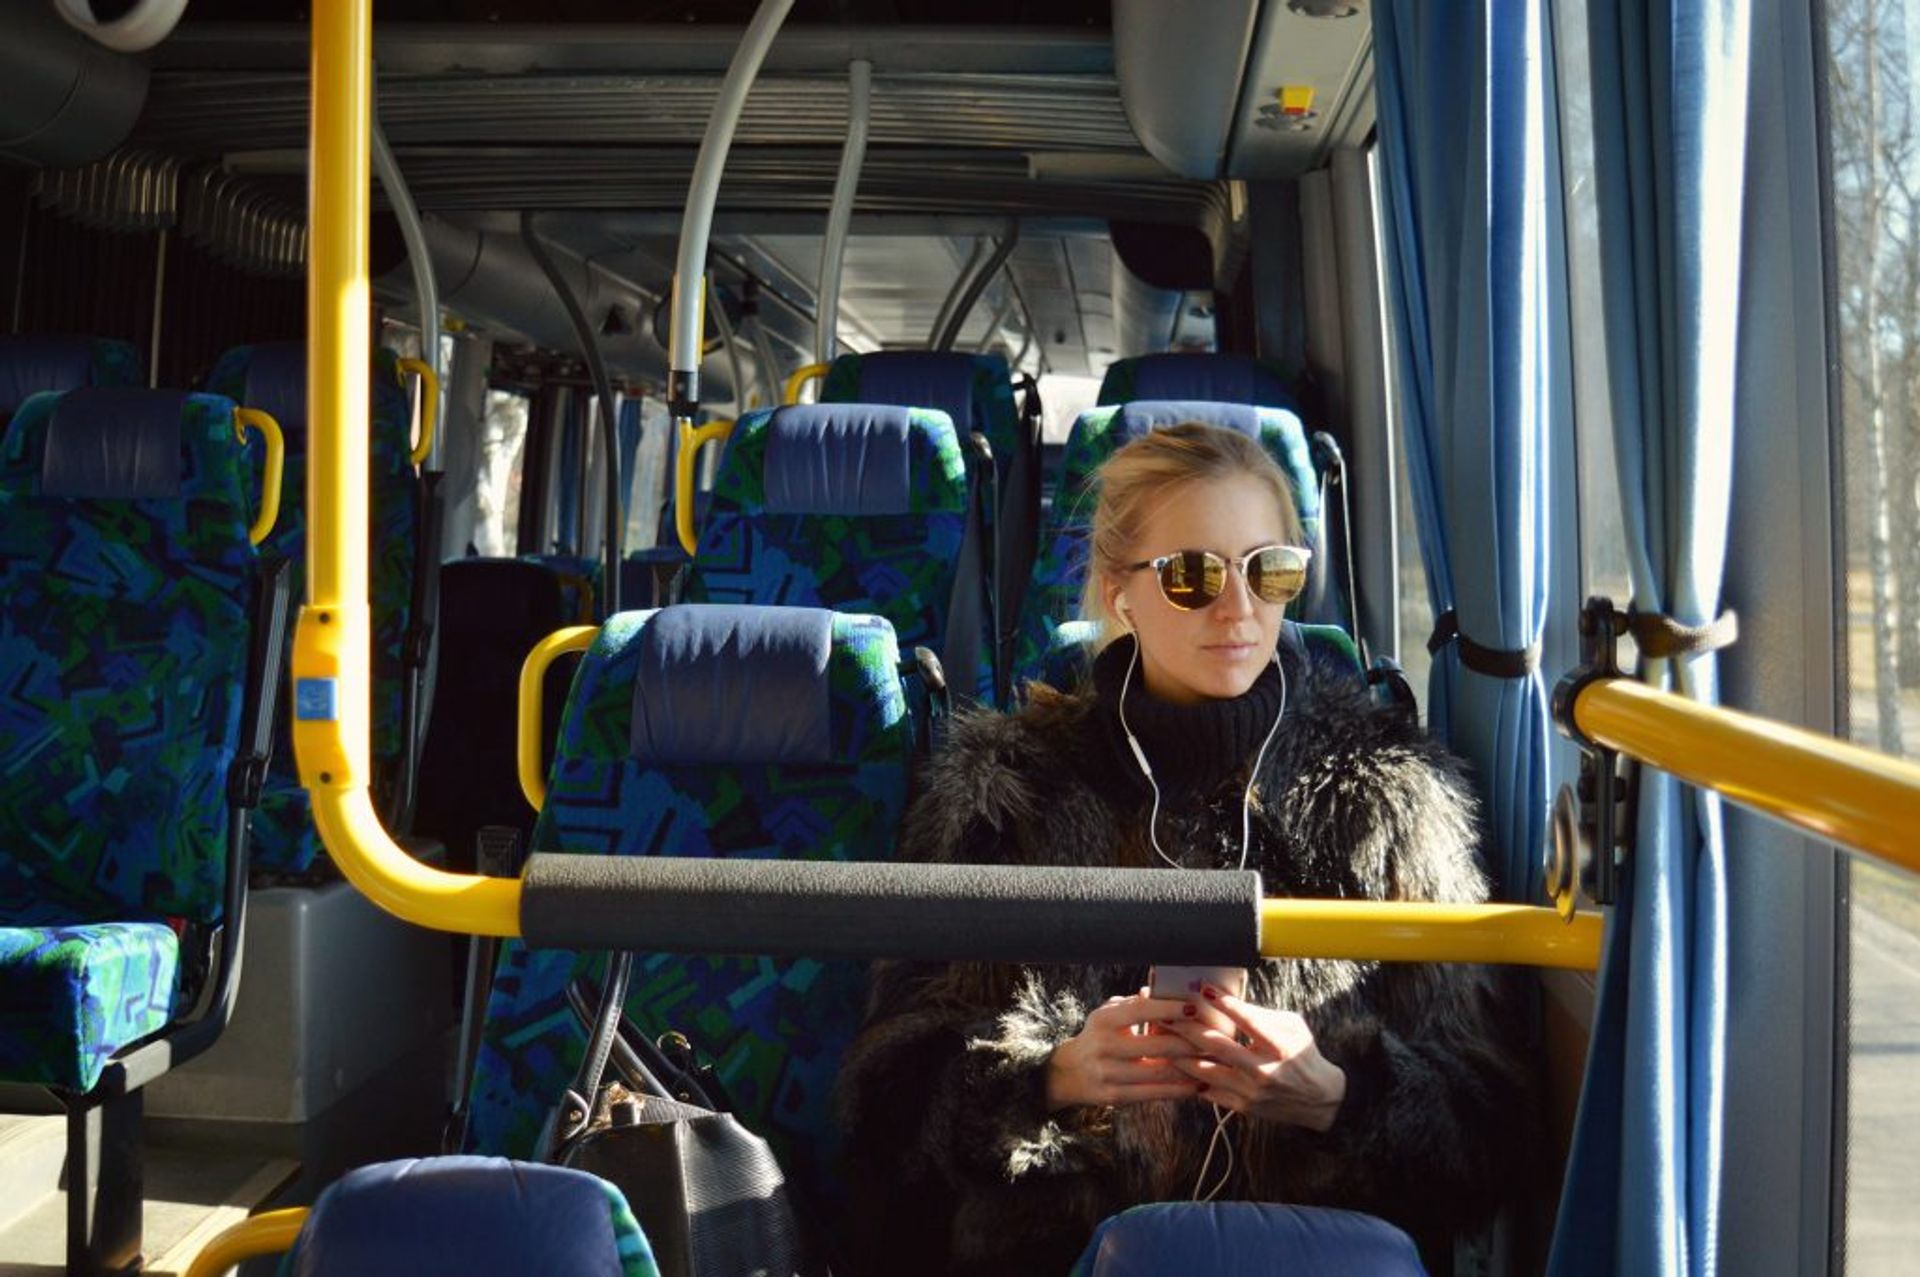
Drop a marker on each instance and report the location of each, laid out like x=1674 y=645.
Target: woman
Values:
x=996 y=1114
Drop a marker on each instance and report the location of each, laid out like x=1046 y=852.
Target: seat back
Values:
x=124 y=585
x=478 y=1216
x=494 y=611
x=1227 y=1239
x=976 y=392
x=1060 y=572
x=766 y=733
x=1213 y=377
x=857 y=507
x=273 y=378
x=30 y=365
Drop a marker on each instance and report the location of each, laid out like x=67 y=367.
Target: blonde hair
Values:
x=1136 y=477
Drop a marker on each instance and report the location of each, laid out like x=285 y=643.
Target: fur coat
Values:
x=955 y=1163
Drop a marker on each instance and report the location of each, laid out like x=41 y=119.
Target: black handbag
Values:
x=708 y=1192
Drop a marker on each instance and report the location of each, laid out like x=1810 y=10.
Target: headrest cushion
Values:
x=30 y=365
x=461 y=1214
x=1145 y=415
x=1225 y=378
x=925 y=378
x=277 y=383
x=739 y=685
x=113 y=444
x=839 y=459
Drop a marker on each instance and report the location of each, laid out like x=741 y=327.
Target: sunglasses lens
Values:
x=1192 y=579
x=1278 y=574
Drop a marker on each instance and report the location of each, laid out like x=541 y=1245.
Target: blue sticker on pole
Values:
x=316 y=699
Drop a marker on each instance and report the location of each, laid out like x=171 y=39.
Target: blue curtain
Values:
x=1469 y=175
x=1670 y=112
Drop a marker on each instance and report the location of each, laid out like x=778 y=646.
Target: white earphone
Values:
x=1146 y=769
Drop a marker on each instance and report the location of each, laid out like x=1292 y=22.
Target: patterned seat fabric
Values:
x=1212 y=377
x=273 y=378
x=1053 y=595
x=818 y=771
x=976 y=392
x=123 y=650
x=30 y=365
x=855 y=507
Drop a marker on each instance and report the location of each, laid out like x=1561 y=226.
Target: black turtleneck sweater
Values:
x=1193 y=749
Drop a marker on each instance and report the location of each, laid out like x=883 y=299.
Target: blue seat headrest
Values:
x=923 y=378
x=475 y=1215
x=277 y=383
x=719 y=683
x=839 y=459
x=113 y=444
x=1205 y=1239
x=29 y=365
x=1225 y=378
x=1143 y=416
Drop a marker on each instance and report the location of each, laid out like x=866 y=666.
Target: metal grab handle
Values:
x=692 y=438
x=272 y=473
x=429 y=406
x=533 y=674
x=791 y=395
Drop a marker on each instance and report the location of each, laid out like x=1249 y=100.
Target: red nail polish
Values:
x=1190 y=1009
x=1210 y=994
x=1201 y=1087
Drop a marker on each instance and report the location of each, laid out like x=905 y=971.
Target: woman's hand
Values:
x=1111 y=1061
x=1278 y=1074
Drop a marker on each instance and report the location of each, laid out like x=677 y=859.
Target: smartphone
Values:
x=1186 y=982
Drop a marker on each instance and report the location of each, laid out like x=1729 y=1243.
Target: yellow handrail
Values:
x=273 y=471
x=533 y=674
x=331 y=668
x=791 y=395
x=1397 y=931
x=429 y=406
x=270 y=1233
x=1839 y=791
x=691 y=439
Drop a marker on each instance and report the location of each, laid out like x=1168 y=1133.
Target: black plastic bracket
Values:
x=1602 y=791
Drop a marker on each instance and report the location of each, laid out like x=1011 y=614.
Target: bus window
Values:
x=650 y=478
x=502 y=447
x=1875 y=213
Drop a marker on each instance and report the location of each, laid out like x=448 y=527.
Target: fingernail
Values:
x=1201 y=1087
x=1190 y=1009
x=1209 y=993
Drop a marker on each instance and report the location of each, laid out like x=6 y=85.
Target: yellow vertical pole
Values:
x=332 y=671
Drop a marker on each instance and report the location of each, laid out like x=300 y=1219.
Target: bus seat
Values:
x=709 y=730
x=29 y=365
x=858 y=507
x=1214 y=377
x=579 y=577
x=479 y=1216
x=496 y=610
x=273 y=377
x=124 y=641
x=976 y=391
x=1326 y=648
x=1053 y=595
x=1238 y=1239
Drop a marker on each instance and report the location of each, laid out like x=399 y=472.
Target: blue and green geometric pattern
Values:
x=774 y=1030
x=72 y=995
x=123 y=647
x=272 y=378
x=1060 y=571
x=897 y=566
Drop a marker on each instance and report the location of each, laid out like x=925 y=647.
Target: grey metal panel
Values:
x=1179 y=65
x=68 y=101
x=1334 y=56
x=433 y=48
x=1783 y=911
x=253 y=110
